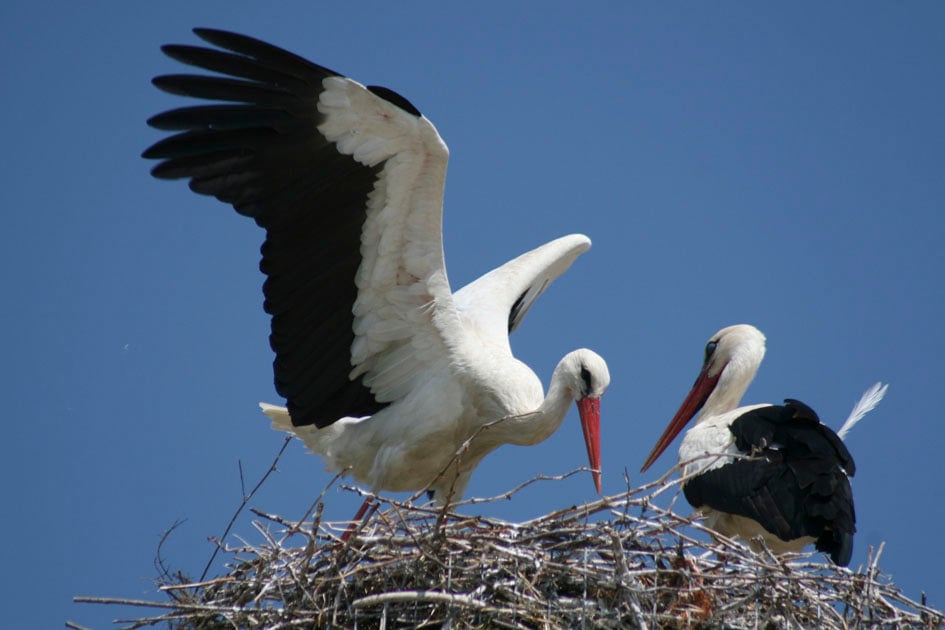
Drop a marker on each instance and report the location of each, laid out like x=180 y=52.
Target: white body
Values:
x=421 y=440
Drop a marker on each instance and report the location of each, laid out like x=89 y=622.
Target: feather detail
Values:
x=866 y=404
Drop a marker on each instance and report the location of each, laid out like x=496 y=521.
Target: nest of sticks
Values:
x=618 y=562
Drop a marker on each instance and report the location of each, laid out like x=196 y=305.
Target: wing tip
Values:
x=579 y=240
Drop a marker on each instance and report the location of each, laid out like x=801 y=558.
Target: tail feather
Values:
x=319 y=441
x=867 y=403
x=838 y=544
x=279 y=416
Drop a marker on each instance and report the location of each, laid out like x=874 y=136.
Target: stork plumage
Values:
x=773 y=471
x=387 y=373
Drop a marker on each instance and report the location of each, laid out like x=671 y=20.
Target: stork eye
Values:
x=710 y=350
x=586 y=377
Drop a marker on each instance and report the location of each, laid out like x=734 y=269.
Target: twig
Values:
x=246 y=499
x=419 y=596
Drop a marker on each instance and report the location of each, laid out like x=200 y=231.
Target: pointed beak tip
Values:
x=651 y=458
x=694 y=401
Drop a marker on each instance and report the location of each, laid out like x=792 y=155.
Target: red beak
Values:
x=690 y=407
x=589 y=408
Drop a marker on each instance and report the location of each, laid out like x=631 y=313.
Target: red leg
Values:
x=356 y=521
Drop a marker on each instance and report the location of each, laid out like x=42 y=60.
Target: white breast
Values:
x=710 y=444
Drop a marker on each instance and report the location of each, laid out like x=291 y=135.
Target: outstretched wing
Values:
x=496 y=303
x=347 y=181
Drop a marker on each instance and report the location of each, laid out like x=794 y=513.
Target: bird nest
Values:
x=618 y=562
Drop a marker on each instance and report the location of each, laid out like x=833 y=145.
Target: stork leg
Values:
x=359 y=518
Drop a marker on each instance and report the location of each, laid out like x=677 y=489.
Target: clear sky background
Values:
x=775 y=165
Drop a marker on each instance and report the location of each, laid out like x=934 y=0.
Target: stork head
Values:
x=732 y=357
x=589 y=378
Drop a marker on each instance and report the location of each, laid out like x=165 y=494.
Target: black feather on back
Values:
x=795 y=484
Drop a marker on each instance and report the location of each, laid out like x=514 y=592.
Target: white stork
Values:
x=772 y=471
x=387 y=373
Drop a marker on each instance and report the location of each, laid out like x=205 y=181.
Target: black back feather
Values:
x=795 y=485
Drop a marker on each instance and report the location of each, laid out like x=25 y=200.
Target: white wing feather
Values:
x=406 y=319
x=485 y=304
x=402 y=278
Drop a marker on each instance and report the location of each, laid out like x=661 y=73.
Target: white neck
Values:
x=536 y=426
x=736 y=376
x=581 y=372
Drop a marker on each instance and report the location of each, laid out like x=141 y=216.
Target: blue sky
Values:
x=775 y=165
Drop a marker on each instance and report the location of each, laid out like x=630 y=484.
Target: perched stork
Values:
x=772 y=471
x=388 y=374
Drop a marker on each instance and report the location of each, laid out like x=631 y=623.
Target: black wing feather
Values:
x=797 y=485
x=220 y=116
x=259 y=149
